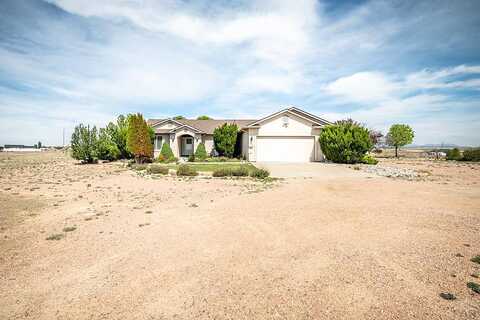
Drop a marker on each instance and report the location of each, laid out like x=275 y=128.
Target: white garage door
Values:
x=285 y=149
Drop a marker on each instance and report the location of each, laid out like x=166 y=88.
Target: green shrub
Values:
x=191 y=158
x=166 y=154
x=225 y=139
x=259 y=173
x=368 y=159
x=157 y=169
x=454 y=154
x=200 y=153
x=139 y=166
x=84 y=143
x=106 y=148
x=222 y=172
x=241 y=171
x=186 y=170
x=471 y=154
x=345 y=141
x=117 y=133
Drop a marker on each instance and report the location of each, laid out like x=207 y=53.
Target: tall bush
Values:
x=225 y=138
x=106 y=148
x=200 y=153
x=345 y=141
x=139 y=140
x=117 y=131
x=84 y=143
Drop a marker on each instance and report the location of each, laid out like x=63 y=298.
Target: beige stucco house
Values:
x=289 y=135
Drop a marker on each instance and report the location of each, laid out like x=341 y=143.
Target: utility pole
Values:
x=63 y=141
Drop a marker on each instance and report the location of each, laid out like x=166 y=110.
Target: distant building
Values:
x=20 y=148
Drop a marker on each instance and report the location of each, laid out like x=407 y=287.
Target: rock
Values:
x=448 y=296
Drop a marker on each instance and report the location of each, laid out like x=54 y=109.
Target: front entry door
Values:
x=187 y=148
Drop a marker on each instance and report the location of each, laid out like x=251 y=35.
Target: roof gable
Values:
x=297 y=112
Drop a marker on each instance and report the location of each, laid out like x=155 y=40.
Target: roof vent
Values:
x=285 y=120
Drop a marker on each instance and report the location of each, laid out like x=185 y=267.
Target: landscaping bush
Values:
x=454 y=154
x=166 y=154
x=157 y=169
x=222 y=172
x=368 y=159
x=200 y=153
x=242 y=171
x=118 y=134
x=471 y=154
x=139 y=138
x=84 y=143
x=106 y=148
x=191 y=158
x=186 y=170
x=225 y=139
x=345 y=141
x=138 y=166
x=259 y=173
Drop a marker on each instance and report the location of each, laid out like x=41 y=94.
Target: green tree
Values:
x=225 y=138
x=201 y=153
x=139 y=140
x=106 y=148
x=166 y=154
x=84 y=143
x=39 y=145
x=118 y=134
x=178 y=118
x=204 y=118
x=454 y=154
x=399 y=135
x=345 y=141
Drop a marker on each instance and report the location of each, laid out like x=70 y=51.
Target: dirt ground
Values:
x=135 y=247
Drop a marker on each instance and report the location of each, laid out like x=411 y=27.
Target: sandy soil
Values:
x=352 y=247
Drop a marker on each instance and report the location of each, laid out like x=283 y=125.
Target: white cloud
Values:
x=363 y=87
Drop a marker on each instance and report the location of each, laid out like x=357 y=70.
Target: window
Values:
x=189 y=141
x=158 y=142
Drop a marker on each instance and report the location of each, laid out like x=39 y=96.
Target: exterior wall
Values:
x=252 y=144
x=245 y=140
x=207 y=139
x=165 y=139
x=296 y=127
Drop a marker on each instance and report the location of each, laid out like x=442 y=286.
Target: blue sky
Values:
x=63 y=62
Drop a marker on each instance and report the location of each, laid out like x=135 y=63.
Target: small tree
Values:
x=399 y=135
x=178 y=118
x=106 y=148
x=201 y=153
x=166 y=154
x=225 y=138
x=84 y=143
x=39 y=145
x=118 y=134
x=139 y=141
x=345 y=141
x=204 y=118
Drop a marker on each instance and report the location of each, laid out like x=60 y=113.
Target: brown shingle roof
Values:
x=206 y=126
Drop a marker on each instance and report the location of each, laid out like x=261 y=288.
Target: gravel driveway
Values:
x=310 y=170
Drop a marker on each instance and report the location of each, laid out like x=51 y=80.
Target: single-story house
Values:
x=289 y=135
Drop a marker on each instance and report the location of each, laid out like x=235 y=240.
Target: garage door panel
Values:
x=285 y=149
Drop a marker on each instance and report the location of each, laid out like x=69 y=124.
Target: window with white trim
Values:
x=158 y=142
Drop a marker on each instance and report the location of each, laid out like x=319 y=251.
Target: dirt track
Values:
x=347 y=248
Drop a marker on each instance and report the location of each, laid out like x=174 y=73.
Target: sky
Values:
x=65 y=62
